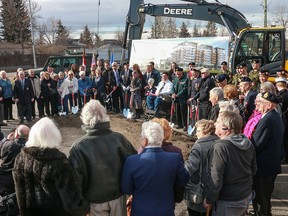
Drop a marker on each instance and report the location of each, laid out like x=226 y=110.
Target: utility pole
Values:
x=32 y=34
x=265 y=13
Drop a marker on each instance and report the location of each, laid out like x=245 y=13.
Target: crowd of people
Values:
x=235 y=160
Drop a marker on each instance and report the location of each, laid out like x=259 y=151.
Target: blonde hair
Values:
x=230 y=91
x=165 y=126
x=207 y=127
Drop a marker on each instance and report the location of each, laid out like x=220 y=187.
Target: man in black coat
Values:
x=24 y=96
x=267 y=140
x=206 y=84
x=248 y=96
x=150 y=74
x=9 y=149
x=125 y=80
x=115 y=84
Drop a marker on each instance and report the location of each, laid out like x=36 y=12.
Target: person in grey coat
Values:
x=198 y=156
x=231 y=169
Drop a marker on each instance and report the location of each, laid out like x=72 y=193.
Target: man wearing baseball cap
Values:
x=267 y=141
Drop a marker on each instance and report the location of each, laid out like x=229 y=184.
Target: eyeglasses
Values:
x=223 y=128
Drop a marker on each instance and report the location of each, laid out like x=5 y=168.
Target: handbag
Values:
x=193 y=193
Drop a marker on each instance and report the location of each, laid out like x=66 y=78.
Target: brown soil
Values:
x=70 y=127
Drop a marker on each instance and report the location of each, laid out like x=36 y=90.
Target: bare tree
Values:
x=280 y=16
x=48 y=30
x=119 y=36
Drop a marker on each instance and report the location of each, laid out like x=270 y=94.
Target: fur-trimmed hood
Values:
x=43 y=153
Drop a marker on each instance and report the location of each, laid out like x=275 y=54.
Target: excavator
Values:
x=246 y=43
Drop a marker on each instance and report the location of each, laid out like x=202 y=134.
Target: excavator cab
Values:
x=266 y=44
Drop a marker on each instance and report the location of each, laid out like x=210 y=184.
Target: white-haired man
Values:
x=151 y=176
x=35 y=81
x=9 y=149
x=97 y=159
x=24 y=96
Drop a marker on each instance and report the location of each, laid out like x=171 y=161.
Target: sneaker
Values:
x=5 y=121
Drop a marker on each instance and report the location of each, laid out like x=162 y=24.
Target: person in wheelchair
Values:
x=163 y=93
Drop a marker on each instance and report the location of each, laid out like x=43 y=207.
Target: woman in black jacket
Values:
x=45 y=183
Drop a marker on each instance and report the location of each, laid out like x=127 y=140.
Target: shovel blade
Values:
x=171 y=124
x=125 y=112
x=189 y=130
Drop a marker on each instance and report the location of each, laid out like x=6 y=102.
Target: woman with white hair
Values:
x=151 y=176
x=215 y=96
x=45 y=183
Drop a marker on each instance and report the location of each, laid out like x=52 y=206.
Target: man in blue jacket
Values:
x=151 y=176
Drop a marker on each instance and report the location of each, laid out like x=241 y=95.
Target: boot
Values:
x=137 y=114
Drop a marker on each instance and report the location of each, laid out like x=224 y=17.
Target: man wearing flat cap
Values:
x=180 y=95
x=267 y=141
x=206 y=84
x=221 y=80
x=248 y=96
x=254 y=73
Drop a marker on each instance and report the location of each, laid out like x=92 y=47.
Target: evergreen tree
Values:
x=211 y=30
x=164 y=28
x=196 y=32
x=15 y=22
x=86 y=37
x=62 y=34
x=184 y=33
x=98 y=41
x=171 y=30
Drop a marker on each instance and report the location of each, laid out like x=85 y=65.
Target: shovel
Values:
x=130 y=114
x=171 y=113
x=126 y=109
x=190 y=116
x=95 y=94
x=85 y=98
x=62 y=113
x=74 y=108
x=196 y=119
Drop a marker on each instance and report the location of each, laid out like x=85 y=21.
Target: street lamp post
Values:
x=32 y=35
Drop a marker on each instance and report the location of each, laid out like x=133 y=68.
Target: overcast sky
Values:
x=76 y=13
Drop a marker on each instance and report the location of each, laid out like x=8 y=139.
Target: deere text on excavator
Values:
x=246 y=44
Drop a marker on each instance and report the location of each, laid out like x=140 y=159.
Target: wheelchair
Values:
x=163 y=108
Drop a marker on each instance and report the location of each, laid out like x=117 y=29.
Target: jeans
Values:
x=231 y=208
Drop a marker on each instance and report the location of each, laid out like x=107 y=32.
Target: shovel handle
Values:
x=208 y=210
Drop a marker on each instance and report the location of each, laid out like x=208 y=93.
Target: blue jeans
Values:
x=230 y=208
x=150 y=101
x=153 y=102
